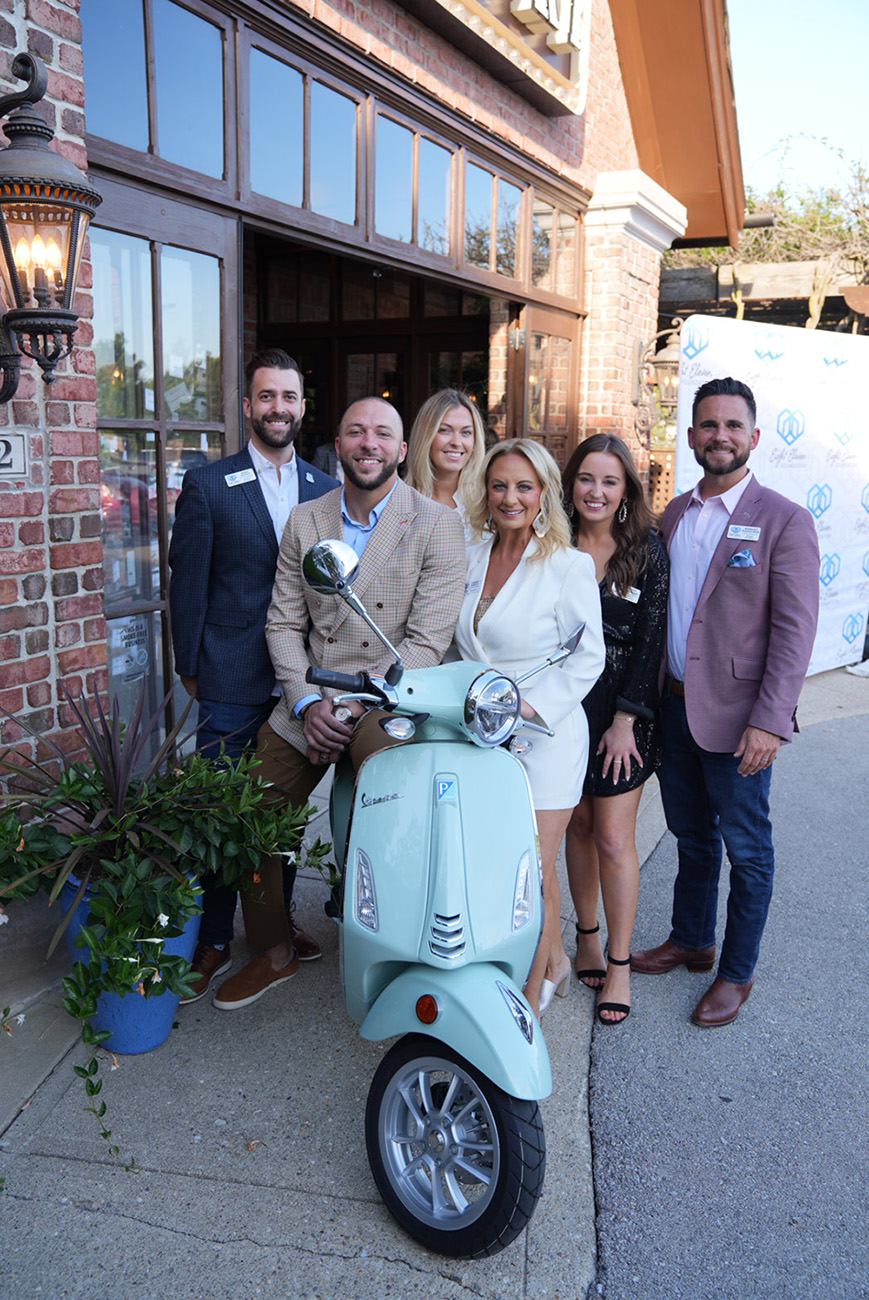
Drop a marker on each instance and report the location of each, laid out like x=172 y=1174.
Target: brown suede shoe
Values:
x=208 y=962
x=720 y=1003
x=667 y=956
x=305 y=944
x=251 y=982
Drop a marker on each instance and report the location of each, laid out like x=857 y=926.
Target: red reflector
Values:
x=427 y=1009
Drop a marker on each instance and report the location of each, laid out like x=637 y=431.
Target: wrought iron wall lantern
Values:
x=656 y=388
x=46 y=204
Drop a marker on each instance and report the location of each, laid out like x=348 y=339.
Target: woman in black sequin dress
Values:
x=614 y=525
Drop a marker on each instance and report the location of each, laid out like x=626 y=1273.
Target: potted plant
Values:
x=123 y=842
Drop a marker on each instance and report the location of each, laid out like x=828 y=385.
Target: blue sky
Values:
x=800 y=73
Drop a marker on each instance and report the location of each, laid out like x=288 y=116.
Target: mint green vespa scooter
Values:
x=442 y=912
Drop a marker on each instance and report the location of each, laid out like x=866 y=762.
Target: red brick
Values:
x=55 y=19
x=81 y=389
x=27 y=670
x=25 y=413
x=62 y=471
x=11 y=700
x=70 y=58
x=7 y=535
x=8 y=591
x=31 y=533
x=22 y=504
x=57 y=413
x=77 y=607
x=65 y=501
x=33 y=614
x=67 y=634
x=89 y=471
x=10 y=647
x=95 y=629
x=67 y=443
x=38 y=694
x=21 y=561
x=92 y=580
x=71 y=661
x=74 y=555
x=84 y=363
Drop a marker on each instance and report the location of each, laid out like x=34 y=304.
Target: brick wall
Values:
x=52 y=627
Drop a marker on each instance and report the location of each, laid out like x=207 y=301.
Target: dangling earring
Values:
x=539 y=525
x=623 y=510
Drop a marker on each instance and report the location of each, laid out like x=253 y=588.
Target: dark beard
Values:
x=718 y=471
x=370 y=485
x=263 y=431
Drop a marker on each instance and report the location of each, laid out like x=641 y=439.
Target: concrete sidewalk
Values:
x=248 y=1136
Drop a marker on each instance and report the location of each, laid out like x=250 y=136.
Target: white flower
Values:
x=19 y=1020
x=163 y=920
x=4 y=919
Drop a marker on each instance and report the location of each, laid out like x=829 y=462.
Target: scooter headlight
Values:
x=492 y=707
x=365 y=901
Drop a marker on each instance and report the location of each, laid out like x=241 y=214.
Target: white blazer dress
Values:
x=535 y=611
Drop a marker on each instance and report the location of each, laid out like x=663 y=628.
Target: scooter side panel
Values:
x=443 y=827
x=474 y=1019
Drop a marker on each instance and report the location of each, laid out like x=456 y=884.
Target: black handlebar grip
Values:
x=355 y=682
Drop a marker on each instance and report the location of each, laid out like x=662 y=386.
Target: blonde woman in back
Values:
x=445 y=450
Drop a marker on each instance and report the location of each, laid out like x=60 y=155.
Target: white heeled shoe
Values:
x=560 y=985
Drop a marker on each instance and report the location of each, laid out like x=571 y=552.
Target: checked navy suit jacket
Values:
x=223 y=555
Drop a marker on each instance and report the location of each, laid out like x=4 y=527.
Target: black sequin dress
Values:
x=634 y=631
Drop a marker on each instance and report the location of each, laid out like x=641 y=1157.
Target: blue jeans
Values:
x=243 y=721
x=706 y=802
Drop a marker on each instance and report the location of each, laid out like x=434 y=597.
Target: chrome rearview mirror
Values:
x=330 y=567
x=563 y=652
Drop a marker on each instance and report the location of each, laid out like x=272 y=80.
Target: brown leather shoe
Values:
x=667 y=956
x=251 y=982
x=208 y=962
x=720 y=1003
x=305 y=944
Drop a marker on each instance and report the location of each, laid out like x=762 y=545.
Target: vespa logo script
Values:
x=830 y=566
x=380 y=798
x=819 y=498
x=791 y=425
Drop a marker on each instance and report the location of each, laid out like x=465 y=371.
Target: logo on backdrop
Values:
x=835 y=361
x=694 y=341
x=769 y=347
x=830 y=566
x=865 y=498
x=790 y=426
x=819 y=498
x=866 y=564
x=845 y=436
x=852 y=627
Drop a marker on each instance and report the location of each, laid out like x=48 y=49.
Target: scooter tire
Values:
x=459 y=1163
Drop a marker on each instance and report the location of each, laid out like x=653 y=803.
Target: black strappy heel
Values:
x=614 y=1006
x=583 y=975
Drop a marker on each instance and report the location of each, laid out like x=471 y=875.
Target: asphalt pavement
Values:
x=680 y=1162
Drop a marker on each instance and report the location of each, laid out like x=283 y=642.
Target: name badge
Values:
x=473 y=585
x=743 y=533
x=240 y=476
x=309 y=478
x=633 y=595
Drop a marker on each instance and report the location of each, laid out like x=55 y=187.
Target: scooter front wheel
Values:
x=458 y=1162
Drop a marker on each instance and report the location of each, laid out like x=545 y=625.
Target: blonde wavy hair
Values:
x=419 y=471
x=551 y=527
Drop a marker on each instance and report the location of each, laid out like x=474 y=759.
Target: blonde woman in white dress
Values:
x=527 y=591
x=445 y=450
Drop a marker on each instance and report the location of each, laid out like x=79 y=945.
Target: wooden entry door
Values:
x=547 y=361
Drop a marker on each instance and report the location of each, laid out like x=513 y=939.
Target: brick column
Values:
x=629 y=222
x=52 y=625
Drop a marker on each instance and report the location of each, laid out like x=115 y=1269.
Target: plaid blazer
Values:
x=411 y=579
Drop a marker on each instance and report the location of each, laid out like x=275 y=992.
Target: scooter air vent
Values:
x=447 y=937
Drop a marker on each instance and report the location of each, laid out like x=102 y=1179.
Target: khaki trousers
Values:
x=293 y=778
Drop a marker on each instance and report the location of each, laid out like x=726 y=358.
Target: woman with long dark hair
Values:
x=612 y=523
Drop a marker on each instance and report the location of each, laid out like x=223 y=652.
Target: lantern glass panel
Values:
x=41 y=236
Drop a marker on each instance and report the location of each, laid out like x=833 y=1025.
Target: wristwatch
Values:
x=342 y=713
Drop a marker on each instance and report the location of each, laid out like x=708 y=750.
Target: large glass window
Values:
x=277 y=157
x=333 y=154
x=393 y=190
x=509 y=198
x=434 y=191
x=187 y=85
x=191 y=335
x=113 y=41
x=123 y=326
x=478 y=216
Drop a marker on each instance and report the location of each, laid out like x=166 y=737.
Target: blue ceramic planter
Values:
x=136 y=1024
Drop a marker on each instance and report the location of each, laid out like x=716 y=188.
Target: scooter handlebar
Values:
x=337 y=681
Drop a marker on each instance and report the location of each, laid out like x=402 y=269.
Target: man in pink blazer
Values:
x=742 y=614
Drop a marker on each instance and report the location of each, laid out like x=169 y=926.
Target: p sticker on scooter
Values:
x=446 y=791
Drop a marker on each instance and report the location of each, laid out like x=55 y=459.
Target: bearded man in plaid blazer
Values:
x=412 y=580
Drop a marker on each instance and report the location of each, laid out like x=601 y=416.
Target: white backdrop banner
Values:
x=810 y=387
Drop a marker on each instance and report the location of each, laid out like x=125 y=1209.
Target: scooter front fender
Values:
x=474 y=1019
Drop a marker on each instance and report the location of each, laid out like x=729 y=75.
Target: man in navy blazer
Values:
x=223 y=554
x=742 y=615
